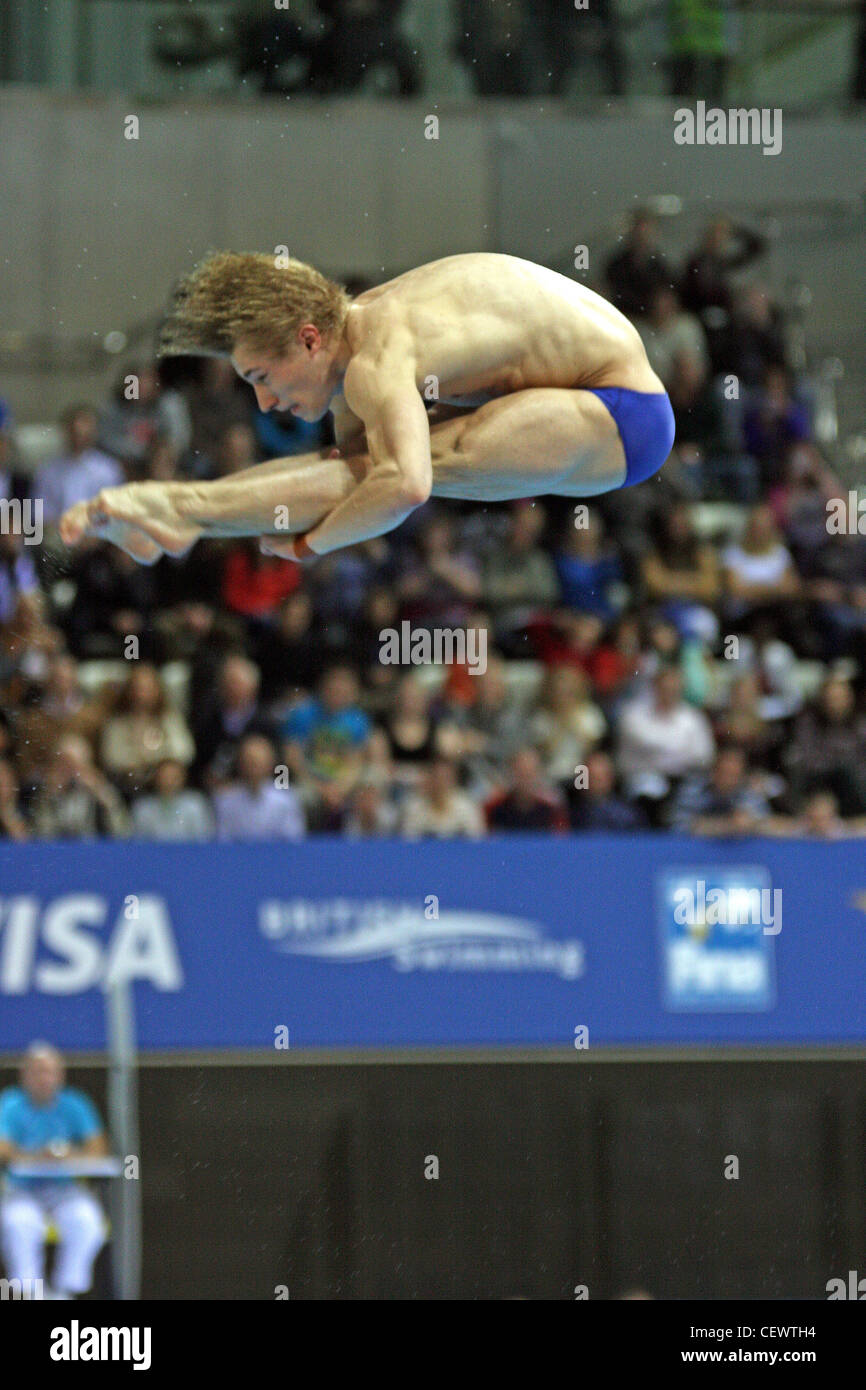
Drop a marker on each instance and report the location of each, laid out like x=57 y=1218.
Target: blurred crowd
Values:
x=684 y=656
x=510 y=48
x=506 y=47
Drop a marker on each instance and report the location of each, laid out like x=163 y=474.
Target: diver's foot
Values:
x=140 y=517
x=77 y=523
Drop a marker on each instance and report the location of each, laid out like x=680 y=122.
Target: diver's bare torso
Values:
x=484 y=325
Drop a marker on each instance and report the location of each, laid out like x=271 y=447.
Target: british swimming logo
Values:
x=347 y=932
x=717 y=927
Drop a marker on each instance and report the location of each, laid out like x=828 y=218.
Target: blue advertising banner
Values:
x=515 y=941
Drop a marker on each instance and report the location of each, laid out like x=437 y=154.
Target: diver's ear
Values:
x=309 y=337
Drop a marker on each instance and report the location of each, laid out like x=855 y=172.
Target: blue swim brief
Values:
x=645 y=420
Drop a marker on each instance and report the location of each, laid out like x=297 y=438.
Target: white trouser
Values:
x=80 y=1224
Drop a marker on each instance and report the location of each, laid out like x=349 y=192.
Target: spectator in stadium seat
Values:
x=799 y=501
x=566 y=725
x=62 y=698
x=377 y=765
x=44 y=1118
x=676 y=346
x=256 y=806
x=7 y=451
x=292 y=653
x=215 y=404
x=500 y=49
x=487 y=733
x=140 y=412
x=13 y=822
x=800 y=504
x=594 y=803
x=759 y=573
x=363 y=647
x=661 y=740
x=616 y=663
x=340 y=582
x=370 y=813
x=635 y=272
x=440 y=585
x=236 y=449
x=518 y=577
x=528 y=802
x=254 y=585
x=81 y=471
x=17 y=572
x=410 y=728
x=662 y=646
x=162 y=464
x=143 y=730
x=74 y=799
x=724 y=248
x=459 y=686
x=362 y=38
x=774 y=664
x=774 y=421
x=564 y=638
x=569 y=34
x=439 y=809
x=721 y=802
x=588 y=566
x=681 y=574
x=817 y=819
x=28 y=644
x=114 y=598
x=828 y=747
x=55 y=707
x=743 y=722
x=270 y=45
x=5 y=734
x=220 y=722
x=196 y=631
x=171 y=810
x=753 y=339
x=323 y=738
x=835 y=581
x=703 y=39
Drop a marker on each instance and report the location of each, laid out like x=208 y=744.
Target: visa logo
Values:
x=140 y=944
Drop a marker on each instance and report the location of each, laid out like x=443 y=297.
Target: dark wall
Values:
x=551 y=1174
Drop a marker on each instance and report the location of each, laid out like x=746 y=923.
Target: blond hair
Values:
x=247 y=295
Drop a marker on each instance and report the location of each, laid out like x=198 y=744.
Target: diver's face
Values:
x=298 y=381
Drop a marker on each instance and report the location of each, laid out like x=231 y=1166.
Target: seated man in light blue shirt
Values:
x=258 y=805
x=44 y=1119
x=81 y=472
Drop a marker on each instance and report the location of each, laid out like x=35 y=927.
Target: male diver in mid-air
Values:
x=540 y=387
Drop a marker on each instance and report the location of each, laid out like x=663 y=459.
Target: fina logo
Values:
x=346 y=933
x=717 y=928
